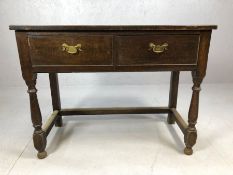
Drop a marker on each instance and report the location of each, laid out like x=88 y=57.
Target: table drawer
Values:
x=157 y=49
x=70 y=49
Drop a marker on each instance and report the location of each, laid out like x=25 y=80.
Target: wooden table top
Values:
x=110 y=27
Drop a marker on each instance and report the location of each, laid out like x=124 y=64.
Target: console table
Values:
x=64 y=49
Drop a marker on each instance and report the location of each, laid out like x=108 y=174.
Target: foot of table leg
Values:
x=42 y=155
x=188 y=151
x=190 y=138
x=170 y=119
x=40 y=141
x=59 y=122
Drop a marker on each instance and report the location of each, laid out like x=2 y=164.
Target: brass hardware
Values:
x=158 y=48
x=71 y=49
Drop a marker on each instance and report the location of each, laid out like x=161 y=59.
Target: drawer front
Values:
x=70 y=49
x=157 y=49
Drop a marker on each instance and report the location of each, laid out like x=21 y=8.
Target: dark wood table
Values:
x=65 y=49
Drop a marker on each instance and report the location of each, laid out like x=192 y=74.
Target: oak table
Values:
x=65 y=49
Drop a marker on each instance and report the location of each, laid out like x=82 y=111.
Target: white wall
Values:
x=113 y=12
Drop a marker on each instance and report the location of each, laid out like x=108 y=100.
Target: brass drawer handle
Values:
x=158 y=48
x=71 y=49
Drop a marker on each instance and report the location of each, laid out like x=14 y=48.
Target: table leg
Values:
x=39 y=137
x=174 y=82
x=55 y=94
x=190 y=135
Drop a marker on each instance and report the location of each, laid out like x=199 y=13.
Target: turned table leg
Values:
x=174 y=82
x=55 y=94
x=39 y=137
x=190 y=136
